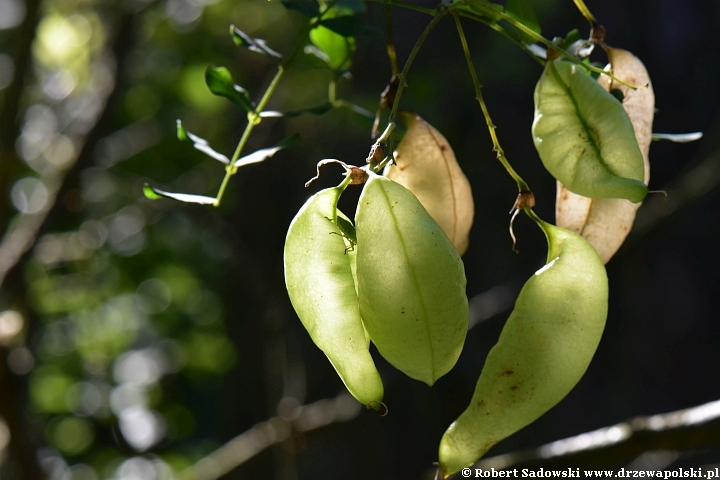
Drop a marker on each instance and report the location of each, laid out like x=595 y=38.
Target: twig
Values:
x=270 y=432
x=607 y=447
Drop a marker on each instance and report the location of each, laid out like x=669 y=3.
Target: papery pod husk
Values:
x=606 y=222
x=411 y=282
x=320 y=280
x=584 y=137
x=543 y=351
x=426 y=165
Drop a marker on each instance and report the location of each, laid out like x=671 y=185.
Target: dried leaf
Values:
x=606 y=222
x=426 y=165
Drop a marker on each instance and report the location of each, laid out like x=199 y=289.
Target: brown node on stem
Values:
x=357 y=175
x=387 y=99
x=551 y=54
x=524 y=200
x=597 y=34
x=376 y=155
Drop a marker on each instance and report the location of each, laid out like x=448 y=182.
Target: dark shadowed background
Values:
x=139 y=337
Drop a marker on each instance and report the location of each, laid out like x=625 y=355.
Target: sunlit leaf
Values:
x=351 y=26
x=337 y=48
x=220 y=82
x=677 y=137
x=309 y=8
x=266 y=153
x=318 y=110
x=242 y=39
x=181 y=133
x=523 y=12
x=155 y=194
x=200 y=144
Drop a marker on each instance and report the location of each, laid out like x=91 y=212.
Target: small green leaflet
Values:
x=351 y=26
x=319 y=110
x=155 y=194
x=337 y=49
x=677 y=137
x=523 y=12
x=265 y=153
x=220 y=82
x=200 y=144
x=309 y=8
x=242 y=39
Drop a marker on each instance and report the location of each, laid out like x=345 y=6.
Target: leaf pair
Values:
x=202 y=145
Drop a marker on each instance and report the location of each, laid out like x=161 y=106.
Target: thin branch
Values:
x=522 y=185
x=270 y=432
x=610 y=446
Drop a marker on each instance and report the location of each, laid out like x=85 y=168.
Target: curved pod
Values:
x=411 y=282
x=426 y=165
x=321 y=285
x=543 y=351
x=606 y=222
x=584 y=137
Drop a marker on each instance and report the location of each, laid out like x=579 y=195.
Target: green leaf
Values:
x=351 y=26
x=181 y=133
x=150 y=193
x=319 y=110
x=265 y=153
x=309 y=8
x=220 y=82
x=572 y=36
x=523 y=12
x=336 y=48
x=242 y=39
x=200 y=144
x=155 y=194
x=677 y=137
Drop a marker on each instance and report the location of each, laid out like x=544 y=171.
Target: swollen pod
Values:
x=320 y=282
x=543 y=350
x=584 y=137
x=411 y=282
x=606 y=222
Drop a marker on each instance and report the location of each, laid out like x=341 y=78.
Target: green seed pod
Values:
x=605 y=222
x=584 y=137
x=543 y=350
x=321 y=285
x=411 y=282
